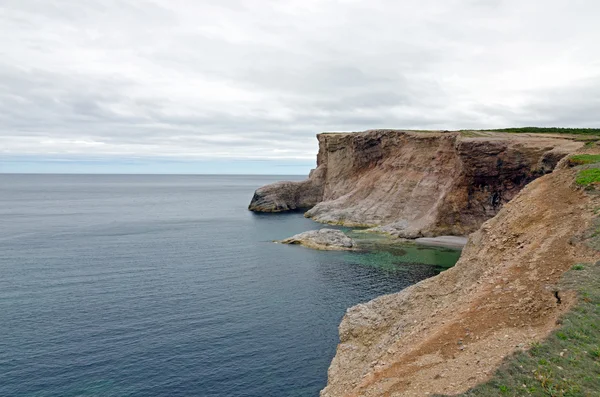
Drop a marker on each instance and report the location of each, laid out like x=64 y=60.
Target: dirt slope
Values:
x=450 y=332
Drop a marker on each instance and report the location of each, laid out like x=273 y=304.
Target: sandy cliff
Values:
x=448 y=333
x=415 y=184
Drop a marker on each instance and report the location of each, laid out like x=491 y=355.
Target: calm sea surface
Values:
x=168 y=286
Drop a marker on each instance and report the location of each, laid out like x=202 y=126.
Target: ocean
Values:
x=149 y=285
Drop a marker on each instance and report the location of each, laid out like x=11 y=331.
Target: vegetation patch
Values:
x=588 y=177
x=567 y=364
x=581 y=159
x=551 y=130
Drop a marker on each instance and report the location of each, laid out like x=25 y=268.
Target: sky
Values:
x=243 y=86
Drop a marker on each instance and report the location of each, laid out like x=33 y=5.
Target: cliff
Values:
x=450 y=332
x=414 y=184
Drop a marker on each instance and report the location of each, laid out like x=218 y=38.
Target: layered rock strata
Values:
x=415 y=184
x=450 y=332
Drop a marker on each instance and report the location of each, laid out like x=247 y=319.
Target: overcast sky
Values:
x=243 y=86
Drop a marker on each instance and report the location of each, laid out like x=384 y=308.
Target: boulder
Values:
x=324 y=239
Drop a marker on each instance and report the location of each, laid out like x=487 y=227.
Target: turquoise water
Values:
x=168 y=286
x=387 y=253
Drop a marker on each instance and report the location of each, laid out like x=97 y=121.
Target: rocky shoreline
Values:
x=526 y=219
x=449 y=333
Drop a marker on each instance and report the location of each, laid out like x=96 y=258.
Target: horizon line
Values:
x=149 y=174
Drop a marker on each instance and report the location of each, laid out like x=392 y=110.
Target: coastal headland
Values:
x=527 y=206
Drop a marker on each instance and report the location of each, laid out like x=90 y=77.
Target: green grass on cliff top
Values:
x=550 y=130
x=582 y=159
x=591 y=132
x=588 y=178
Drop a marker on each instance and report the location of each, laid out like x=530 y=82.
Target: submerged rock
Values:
x=324 y=239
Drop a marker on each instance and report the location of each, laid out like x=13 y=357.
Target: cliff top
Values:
x=516 y=133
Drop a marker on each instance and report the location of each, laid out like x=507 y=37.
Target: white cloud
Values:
x=257 y=79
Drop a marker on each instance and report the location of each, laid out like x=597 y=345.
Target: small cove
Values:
x=167 y=285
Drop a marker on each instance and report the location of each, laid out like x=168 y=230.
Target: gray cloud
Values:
x=257 y=79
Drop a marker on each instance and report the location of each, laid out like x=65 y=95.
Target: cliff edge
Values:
x=450 y=332
x=415 y=184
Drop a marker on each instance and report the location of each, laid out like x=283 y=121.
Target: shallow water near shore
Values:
x=168 y=286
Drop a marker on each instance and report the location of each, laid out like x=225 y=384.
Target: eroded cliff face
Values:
x=290 y=196
x=413 y=184
x=450 y=332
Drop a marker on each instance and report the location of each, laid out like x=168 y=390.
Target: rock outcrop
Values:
x=415 y=184
x=450 y=332
x=289 y=196
x=323 y=239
